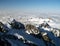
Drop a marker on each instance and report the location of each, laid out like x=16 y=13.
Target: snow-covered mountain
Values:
x=29 y=32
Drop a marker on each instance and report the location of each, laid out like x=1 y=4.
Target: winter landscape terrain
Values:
x=32 y=31
x=29 y=22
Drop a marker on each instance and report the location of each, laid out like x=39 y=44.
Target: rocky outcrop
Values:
x=3 y=28
x=17 y=25
x=32 y=29
x=45 y=25
x=47 y=39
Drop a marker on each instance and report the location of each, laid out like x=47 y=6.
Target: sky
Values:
x=48 y=8
x=30 y=7
x=30 y=4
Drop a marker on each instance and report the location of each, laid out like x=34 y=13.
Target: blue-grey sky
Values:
x=30 y=4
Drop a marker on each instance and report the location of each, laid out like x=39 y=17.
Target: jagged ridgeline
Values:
x=27 y=34
x=17 y=25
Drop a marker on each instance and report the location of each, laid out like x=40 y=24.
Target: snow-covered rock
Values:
x=23 y=37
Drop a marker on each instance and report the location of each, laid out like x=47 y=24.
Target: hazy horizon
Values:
x=44 y=8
